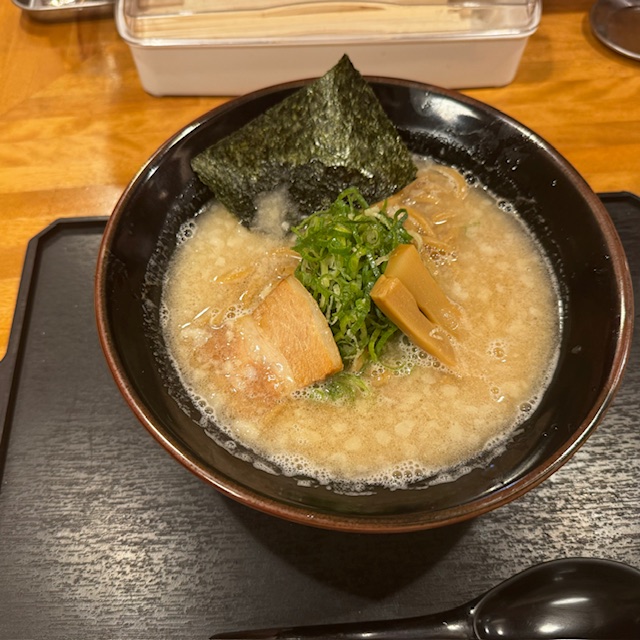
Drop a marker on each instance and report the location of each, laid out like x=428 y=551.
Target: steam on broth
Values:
x=415 y=416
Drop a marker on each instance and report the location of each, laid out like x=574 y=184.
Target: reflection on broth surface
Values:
x=415 y=417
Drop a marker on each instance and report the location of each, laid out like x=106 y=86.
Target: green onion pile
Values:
x=344 y=250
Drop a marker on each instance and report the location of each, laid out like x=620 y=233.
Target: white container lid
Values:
x=163 y=23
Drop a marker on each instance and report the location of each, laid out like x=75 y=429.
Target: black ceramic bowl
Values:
x=565 y=215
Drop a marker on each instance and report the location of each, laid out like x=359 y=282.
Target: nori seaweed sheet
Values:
x=327 y=136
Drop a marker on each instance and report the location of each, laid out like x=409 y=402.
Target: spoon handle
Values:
x=574 y=597
x=449 y=625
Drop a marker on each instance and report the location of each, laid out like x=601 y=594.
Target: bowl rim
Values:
x=394 y=523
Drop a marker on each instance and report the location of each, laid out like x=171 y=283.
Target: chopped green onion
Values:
x=339 y=387
x=344 y=251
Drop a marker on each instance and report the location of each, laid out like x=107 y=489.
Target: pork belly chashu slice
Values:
x=285 y=344
x=292 y=322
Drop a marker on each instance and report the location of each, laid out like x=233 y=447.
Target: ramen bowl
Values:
x=555 y=203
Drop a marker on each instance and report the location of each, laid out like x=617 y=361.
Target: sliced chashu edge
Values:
x=293 y=323
x=285 y=344
x=245 y=361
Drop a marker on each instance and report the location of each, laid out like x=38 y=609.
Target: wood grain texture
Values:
x=76 y=124
x=105 y=536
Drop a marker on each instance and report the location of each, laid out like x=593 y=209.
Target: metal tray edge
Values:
x=70 y=11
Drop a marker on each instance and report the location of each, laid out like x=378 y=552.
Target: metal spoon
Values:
x=616 y=23
x=579 y=598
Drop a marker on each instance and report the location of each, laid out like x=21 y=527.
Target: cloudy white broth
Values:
x=414 y=416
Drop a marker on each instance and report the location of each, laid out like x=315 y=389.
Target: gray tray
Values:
x=103 y=535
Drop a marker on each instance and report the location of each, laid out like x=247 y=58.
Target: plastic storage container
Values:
x=230 y=47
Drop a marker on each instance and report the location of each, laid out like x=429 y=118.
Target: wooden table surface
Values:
x=103 y=537
x=76 y=125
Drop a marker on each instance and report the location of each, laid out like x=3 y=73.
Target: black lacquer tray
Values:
x=103 y=535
